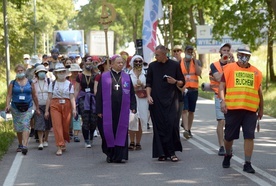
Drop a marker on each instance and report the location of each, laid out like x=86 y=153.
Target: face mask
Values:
x=20 y=76
x=61 y=76
x=41 y=75
x=138 y=66
x=55 y=57
x=26 y=61
x=243 y=59
x=187 y=56
x=88 y=67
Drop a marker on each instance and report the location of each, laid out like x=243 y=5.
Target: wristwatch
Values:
x=221 y=100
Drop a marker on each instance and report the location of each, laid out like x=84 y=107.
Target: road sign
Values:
x=206 y=44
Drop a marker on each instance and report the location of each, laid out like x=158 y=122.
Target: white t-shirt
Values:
x=61 y=89
x=41 y=87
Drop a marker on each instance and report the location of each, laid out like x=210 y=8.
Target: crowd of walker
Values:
x=119 y=94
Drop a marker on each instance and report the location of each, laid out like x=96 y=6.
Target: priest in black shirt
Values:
x=163 y=77
x=115 y=99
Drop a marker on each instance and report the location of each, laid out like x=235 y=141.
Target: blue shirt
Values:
x=20 y=92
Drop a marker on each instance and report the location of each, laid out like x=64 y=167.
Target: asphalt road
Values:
x=199 y=163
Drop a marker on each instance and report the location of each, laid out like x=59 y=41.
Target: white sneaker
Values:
x=95 y=133
x=40 y=146
x=45 y=144
x=87 y=144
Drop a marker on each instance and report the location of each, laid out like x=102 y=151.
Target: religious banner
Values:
x=152 y=12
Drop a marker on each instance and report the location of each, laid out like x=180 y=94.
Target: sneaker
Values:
x=19 y=148
x=95 y=133
x=24 y=150
x=186 y=134
x=248 y=168
x=148 y=126
x=76 y=139
x=226 y=161
x=221 y=151
x=40 y=146
x=45 y=144
x=87 y=144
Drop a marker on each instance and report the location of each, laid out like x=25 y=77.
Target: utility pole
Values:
x=35 y=42
x=6 y=36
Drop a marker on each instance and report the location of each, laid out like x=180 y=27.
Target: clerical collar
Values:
x=117 y=72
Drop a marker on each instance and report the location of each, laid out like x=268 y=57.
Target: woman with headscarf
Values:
x=138 y=78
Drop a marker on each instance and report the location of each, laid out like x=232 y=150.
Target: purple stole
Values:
x=120 y=137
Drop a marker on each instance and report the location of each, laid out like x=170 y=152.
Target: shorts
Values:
x=234 y=119
x=189 y=100
x=219 y=114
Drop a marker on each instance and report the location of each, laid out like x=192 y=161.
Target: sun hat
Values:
x=26 y=56
x=34 y=60
x=75 y=68
x=244 y=50
x=93 y=58
x=40 y=68
x=59 y=67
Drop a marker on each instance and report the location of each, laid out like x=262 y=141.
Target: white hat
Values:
x=25 y=56
x=59 y=67
x=244 y=51
x=75 y=68
x=40 y=68
x=34 y=60
x=225 y=44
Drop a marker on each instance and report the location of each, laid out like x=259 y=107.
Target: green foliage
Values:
x=7 y=136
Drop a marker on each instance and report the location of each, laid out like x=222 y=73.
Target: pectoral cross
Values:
x=117 y=86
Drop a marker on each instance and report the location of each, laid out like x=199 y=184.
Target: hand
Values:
x=223 y=107
x=46 y=115
x=7 y=109
x=74 y=113
x=150 y=100
x=260 y=114
x=194 y=56
x=100 y=115
x=171 y=80
x=37 y=111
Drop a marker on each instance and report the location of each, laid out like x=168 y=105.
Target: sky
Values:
x=80 y=3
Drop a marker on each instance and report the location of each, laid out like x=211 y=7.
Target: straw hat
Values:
x=59 y=67
x=40 y=68
x=75 y=68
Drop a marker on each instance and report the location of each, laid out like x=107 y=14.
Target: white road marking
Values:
x=239 y=160
x=10 y=179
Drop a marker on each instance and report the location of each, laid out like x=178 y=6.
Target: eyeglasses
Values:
x=177 y=51
x=138 y=61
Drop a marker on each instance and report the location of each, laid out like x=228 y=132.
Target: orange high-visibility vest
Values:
x=242 y=85
x=213 y=83
x=191 y=79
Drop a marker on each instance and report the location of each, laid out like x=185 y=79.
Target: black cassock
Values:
x=164 y=111
x=116 y=153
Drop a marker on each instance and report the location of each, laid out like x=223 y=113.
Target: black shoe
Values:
x=226 y=161
x=190 y=133
x=221 y=151
x=248 y=168
x=24 y=150
x=31 y=133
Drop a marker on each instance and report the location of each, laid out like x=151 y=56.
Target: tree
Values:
x=253 y=22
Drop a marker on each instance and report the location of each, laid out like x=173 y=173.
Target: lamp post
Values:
x=35 y=41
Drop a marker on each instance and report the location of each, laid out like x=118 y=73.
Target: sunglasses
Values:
x=177 y=51
x=138 y=61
